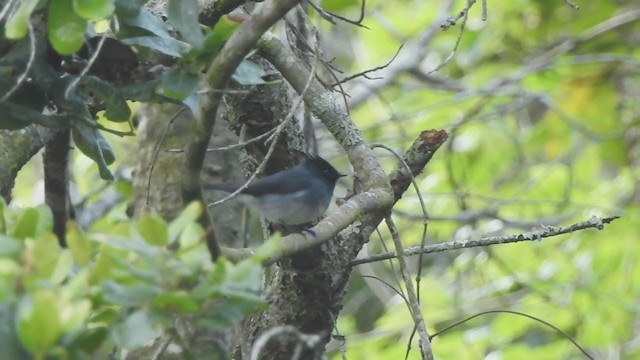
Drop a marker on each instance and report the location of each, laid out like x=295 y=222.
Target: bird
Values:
x=293 y=197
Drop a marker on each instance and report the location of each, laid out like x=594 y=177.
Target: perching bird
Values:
x=291 y=197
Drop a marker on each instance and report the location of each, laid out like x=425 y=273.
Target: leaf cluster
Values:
x=112 y=290
x=64 y=63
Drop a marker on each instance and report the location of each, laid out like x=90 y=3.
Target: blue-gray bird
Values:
x=296 y=196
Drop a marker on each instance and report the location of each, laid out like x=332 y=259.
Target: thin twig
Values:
x=563 y=333
x=328 y=15
x=364 y=73
x=572 y=4
x=156 y=152
x=414 y=306
x=6 y=8
x=547 y=231
x=232 y=146
x=451 y=21
x=485 y=10
x=86 y=69
x=25 y=73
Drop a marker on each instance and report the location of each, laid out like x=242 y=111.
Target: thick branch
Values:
x=56 y=182
x=16 y=148
x=330 y=226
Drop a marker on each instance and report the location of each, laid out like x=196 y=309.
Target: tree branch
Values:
x=547 y=231
x=414 y=305
x=16 y=148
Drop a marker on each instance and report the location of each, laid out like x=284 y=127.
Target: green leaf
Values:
x=94 y=9
x=117 y=109
x=9 y=246
x=129 y=7
x=214 y=39
x=153 y=229
x=33 y=222
x=183 y=14
x=191 y=102
x=248 y=73
x=244 y=278
x=166 y=46
x=90 y=339
x=10 y=347
x=162 y=41
x=103 y=266
x=38 y=324
x=16 y=26
x=14 y=117
x=27 y=94
x=74 y=314
x=89 y=140
x=131 y=295
x=66 y=28
x=78 y=244
x=147 y=21
x=225 y=28
x=143 y=92
x=19 y=54
x=177 y=301
x=136 y=331
x=188 y=216
x=24 y=106
x=62 y=268
x=136 y=245
x=46 y=252
x=179 y=84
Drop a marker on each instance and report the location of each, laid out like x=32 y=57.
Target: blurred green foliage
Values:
x=530 y=146
x=114 y=289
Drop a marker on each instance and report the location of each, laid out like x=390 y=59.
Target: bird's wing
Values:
x=284 y=182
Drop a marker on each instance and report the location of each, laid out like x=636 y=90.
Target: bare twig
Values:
x=25 y=73
x=485 y=10
x=414 y=306
x=328 y=15
x=414 y=53
x=545 y=232
x=156 y=152
x=563 y=333
x=364 y=73
x=451 y=21
x=7 y=6
x=86 y=69
x=464 y=14
x=572 y=4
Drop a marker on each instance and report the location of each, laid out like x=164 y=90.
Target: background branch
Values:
x=547 y=231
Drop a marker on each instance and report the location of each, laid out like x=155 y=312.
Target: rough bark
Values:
x=16 y=148
x=56 y=182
